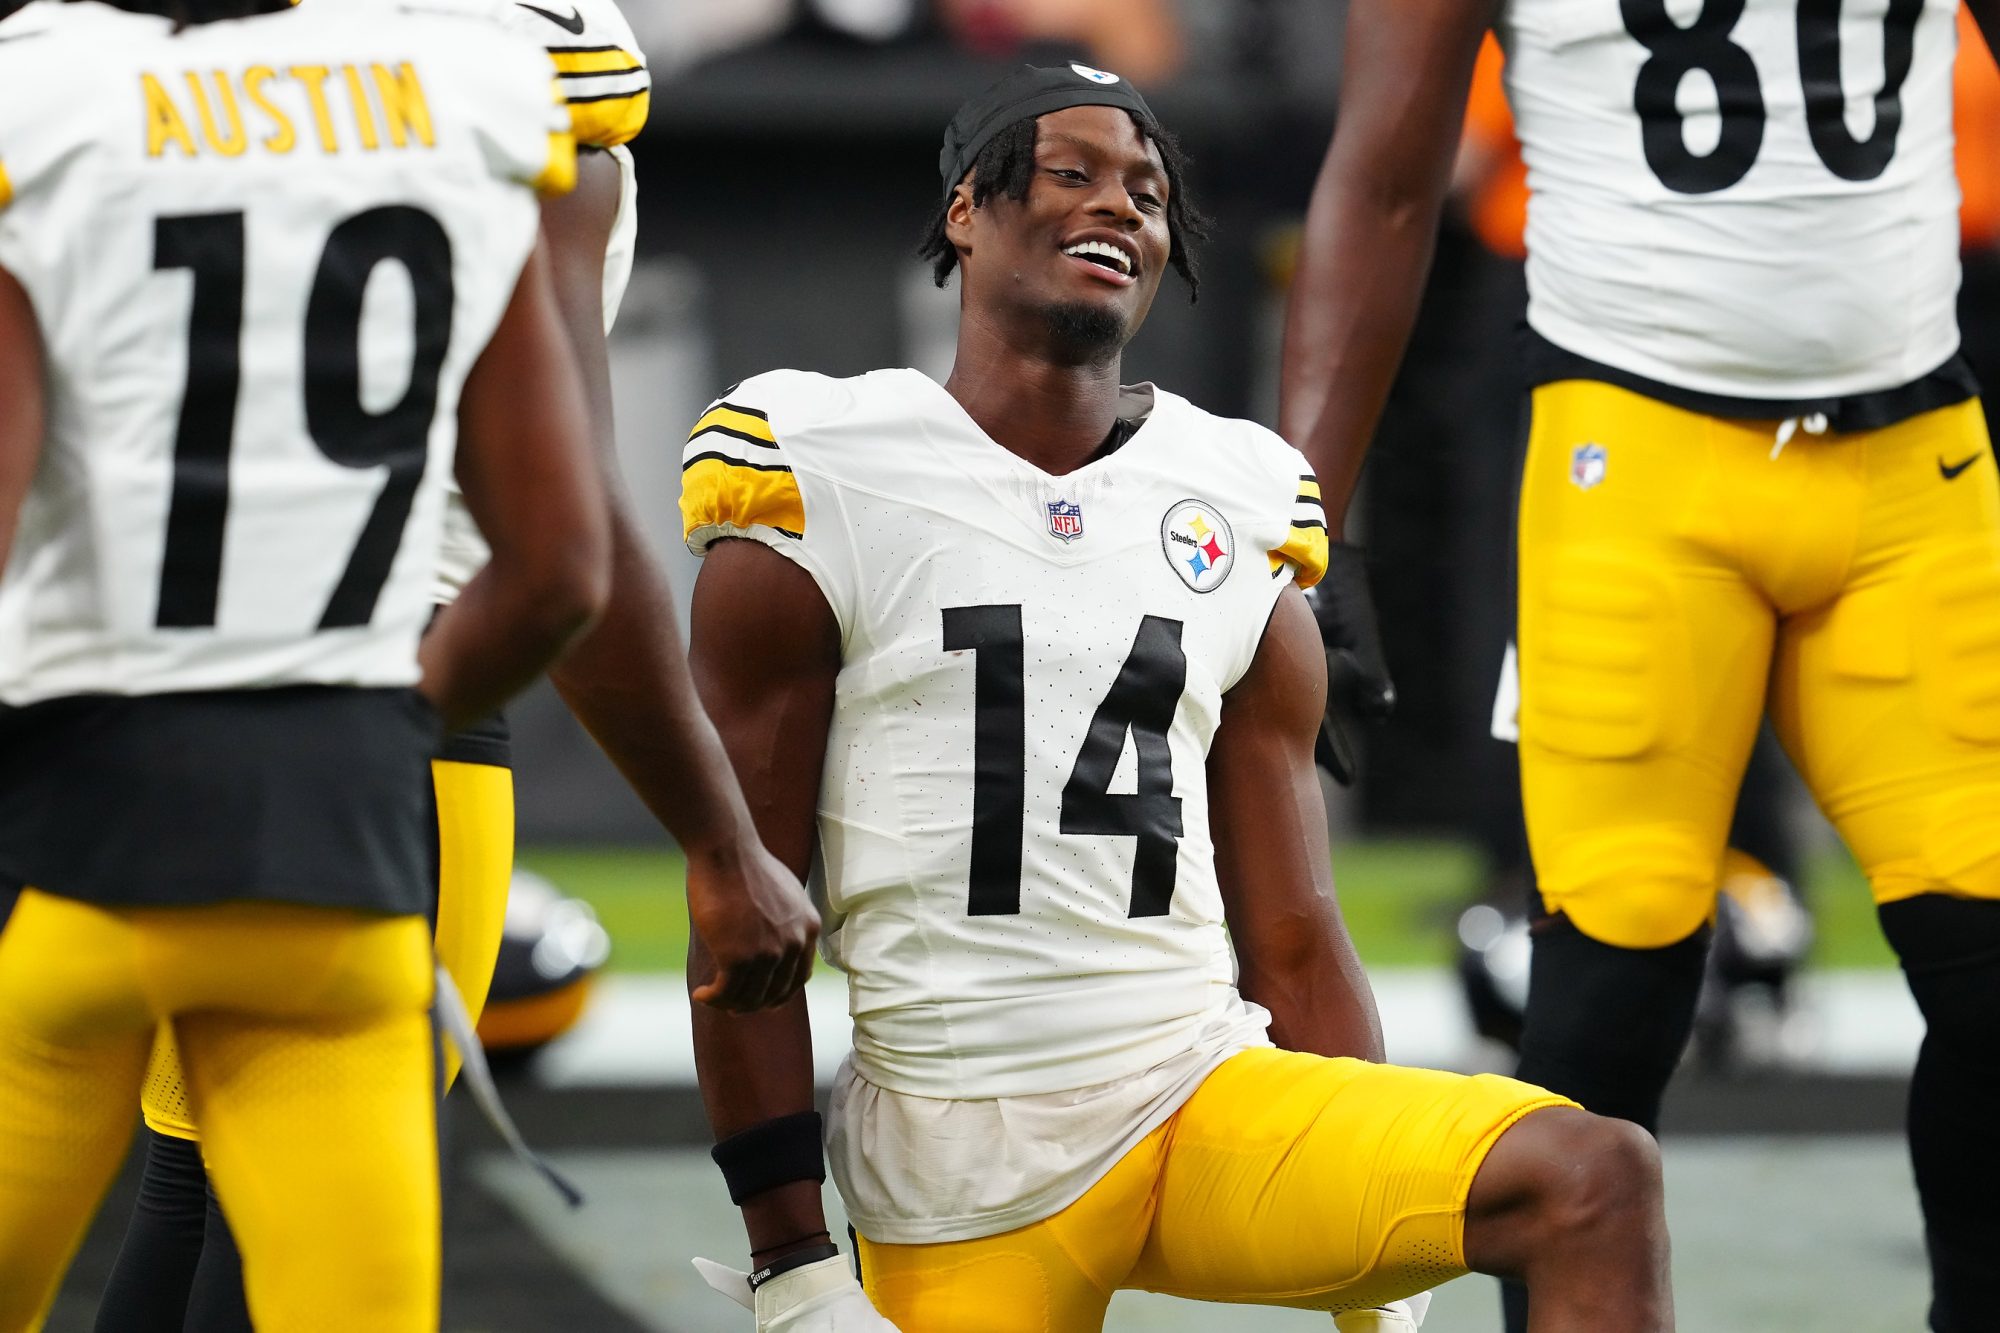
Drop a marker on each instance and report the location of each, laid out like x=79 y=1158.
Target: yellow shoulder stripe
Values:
x=595 y=60
x=559 y=176
x=6 y=187
x=719 y=497
x=1305 y=550
x=728 y=419
x=1308 y=488
x=609 y=119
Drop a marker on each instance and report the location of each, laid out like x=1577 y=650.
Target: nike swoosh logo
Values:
x=1948 y=471
x=573 y=25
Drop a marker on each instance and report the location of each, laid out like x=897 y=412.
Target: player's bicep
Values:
x=22 y=407
x=524 y=458
x=1266 y=812
x=577 y=229
x=1404 y=81
x=764 y=649
x=1272 y=861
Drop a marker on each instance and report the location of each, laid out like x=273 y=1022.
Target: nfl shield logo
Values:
x=1065 y=520
x=1586 y=465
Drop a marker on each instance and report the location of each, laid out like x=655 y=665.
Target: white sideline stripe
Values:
x=636 y=1032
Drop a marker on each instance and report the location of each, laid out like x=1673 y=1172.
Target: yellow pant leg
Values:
x=73 y=1031
x=163 y=1098
x=1054 y=1276
x=1644 y=654
x=1888 y=696
x=475 y=804
x=306 y=1040
x=475 y=808
x=1322 y=1184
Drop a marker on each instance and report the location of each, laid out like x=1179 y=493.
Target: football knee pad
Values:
x=1607 y=1025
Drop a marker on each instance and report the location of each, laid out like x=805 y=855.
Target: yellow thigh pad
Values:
x=1644 y=652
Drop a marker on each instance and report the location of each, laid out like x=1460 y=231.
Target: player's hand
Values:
x=818 y=1298
x=756 y=922
x=1405 y=1316
x=1357 y=677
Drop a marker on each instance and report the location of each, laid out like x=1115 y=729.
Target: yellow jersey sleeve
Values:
x=608 y=90
x=1305 y=548
x=600 y=69
x=735 y=481
x=6 y=187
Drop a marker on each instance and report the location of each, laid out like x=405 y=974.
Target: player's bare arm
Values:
x=529 y=478
x=626 y=678
x=1372 y=226
x=22 y=415
x=1369 y=235
x=765 y=651
x=1272 y=860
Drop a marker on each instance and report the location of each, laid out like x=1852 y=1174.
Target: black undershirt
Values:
x=1948 y=385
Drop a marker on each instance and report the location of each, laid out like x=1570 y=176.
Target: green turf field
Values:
x=1400 y=898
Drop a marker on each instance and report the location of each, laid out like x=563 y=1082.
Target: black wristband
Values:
x=812 y=1254
x=774 y=1153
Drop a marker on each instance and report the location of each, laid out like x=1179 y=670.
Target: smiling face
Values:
x=1082 y=255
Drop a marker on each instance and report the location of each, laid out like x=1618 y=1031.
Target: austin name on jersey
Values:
x=1013 y=815
x=1752 y=198
x=253 y=405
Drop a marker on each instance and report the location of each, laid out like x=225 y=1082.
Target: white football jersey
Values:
x=265 y=254
x=1014 y=839
x=608 y=89
x=1752 y=198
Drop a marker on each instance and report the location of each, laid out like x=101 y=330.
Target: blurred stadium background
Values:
x=786 y=171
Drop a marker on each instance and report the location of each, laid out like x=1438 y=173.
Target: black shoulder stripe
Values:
x=611 y=97
x=724 y=402
x=582 y=50
x=601 y=73
x=1308 y=523
x=733 y=434
x=732 y=461
x=1305 y=499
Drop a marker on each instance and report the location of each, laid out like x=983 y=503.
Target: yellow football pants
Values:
x=308 y=1043
x=475 y=810
x=1287 y=1179
x=1680 y=571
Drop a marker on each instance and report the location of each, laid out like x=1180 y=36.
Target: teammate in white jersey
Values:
x=1757 y=477
x=625 y=678
x=1024 y=659
x=255 y=276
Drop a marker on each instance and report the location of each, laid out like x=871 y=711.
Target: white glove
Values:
x=1404 y=1316
x=819 y=1297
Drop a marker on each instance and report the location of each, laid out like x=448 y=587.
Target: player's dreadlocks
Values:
x=1006 y=166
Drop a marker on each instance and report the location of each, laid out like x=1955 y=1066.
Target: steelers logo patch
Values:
x=1198 y=544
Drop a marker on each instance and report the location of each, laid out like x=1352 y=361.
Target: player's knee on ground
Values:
x=1561 y=1183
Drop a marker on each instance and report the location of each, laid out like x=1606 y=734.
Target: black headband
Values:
x=1029 y=91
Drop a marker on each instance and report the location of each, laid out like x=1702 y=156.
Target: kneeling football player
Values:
x=1024 y=658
